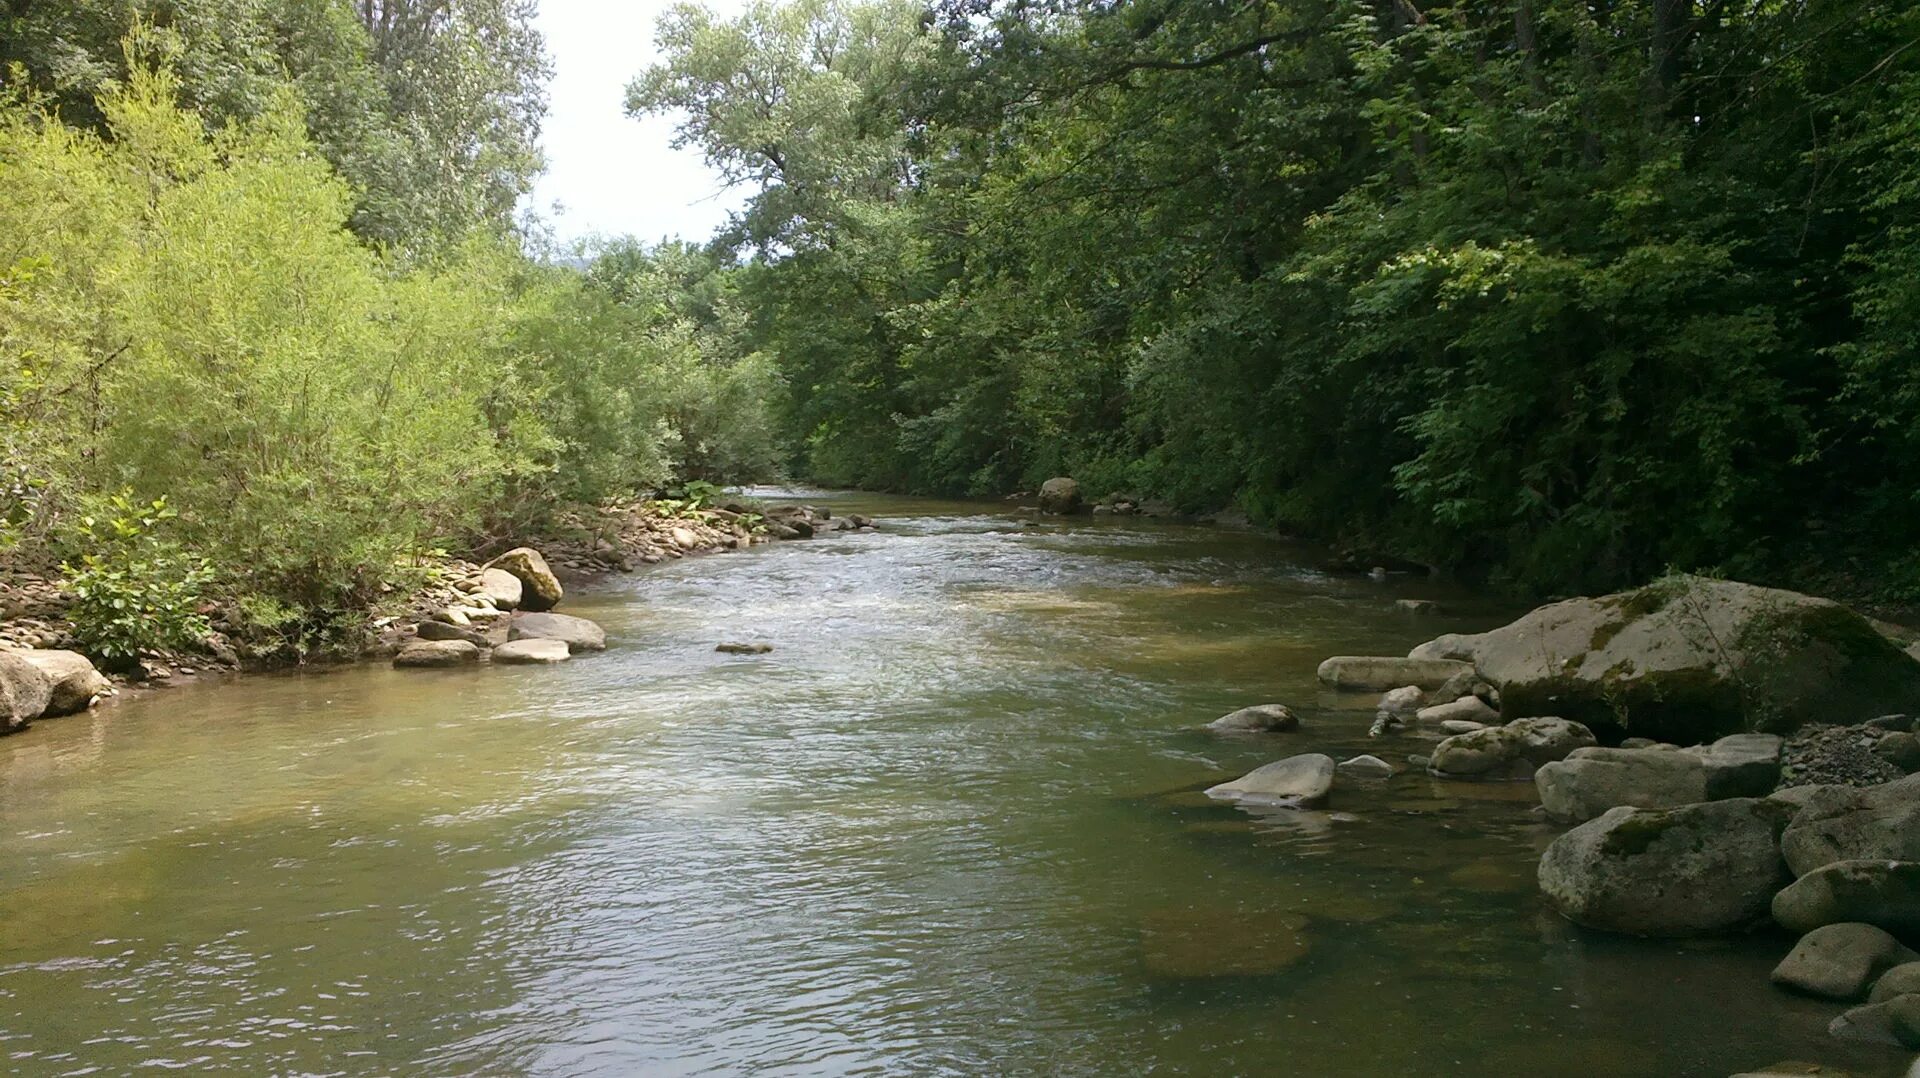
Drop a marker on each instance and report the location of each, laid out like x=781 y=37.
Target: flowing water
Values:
x=949 y=826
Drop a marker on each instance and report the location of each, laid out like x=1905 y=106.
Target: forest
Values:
x=1552 y=294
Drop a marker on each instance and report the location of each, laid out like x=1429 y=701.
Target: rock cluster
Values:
x=504 y=613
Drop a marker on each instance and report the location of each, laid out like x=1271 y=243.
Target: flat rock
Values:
x=1298 y=781
x=578 y=634
x=1511 y=751
x=1687 y=871
x=1465 y=709
x=1592 y=780
x=437 y=653
x=1840 y=961
x=1885 y=894
x=1461 y=726
x=1740 y=765
x=1380 y=673
x=440 y=630
x=1258 y=719
x=532 y=652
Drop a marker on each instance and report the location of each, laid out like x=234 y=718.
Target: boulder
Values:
x=441 y=630
x=539 y=588
x=1364 y=767
x=1258 y=719
x=1458 y=647
x=501 y=588
x=1380 y=673
x=1688 y=659
x=1462 y=685
x=1417 y=606
x=1060 y=495
x=75 y=682
x=1592 y=780
x=1840 y=823
x=1511 y=751
x=532 y=652
x=1740 y=765
x=1840 y=961
x=1898 y=981
x=1885 y=894
x=1298 y=782
x=437 y=653
x=1460 y=726
x=1404 y=700
x=1893 y=1021
x=1901 y=749
x=25 y=691
x=578 y=634
x=1465 y=709
x=1685 y=871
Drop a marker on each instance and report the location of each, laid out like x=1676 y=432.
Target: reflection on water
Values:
x=950 y=825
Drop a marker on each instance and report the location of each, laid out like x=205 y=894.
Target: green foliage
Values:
x=132 y=587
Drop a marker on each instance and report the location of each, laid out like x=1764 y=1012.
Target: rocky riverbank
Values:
x=465 y=604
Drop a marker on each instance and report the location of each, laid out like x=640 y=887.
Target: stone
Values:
x=1380 y=673
x=1902 y=723
x=1060 y=496
x=1885 y=894
x=1461 y=726
x=452 y=615
x=1840 y=823
x=532 y=652
x=76 y=684
x=1592 y=780
x=1740 y=765
x=1511 y=751
x=1457 y=647
x=1891 y=1021
x=1298 y=782
x=500 y=587
x=1385 y=724
x=684 y=538
x=437 y=653
x=1465 y=709
x=1417 y=606
x=1686 y=871
x=578 y=634
x=440 y=630
x=735 y=647
x=539 y=588
x=1689 y=659
x=25 y=692
x=1460 y=686
x=1901 y=749
x=1404 y=700
x=1364 y=767
x=1188 y=944
x=1840 y=961
x=1258 y=719
x=1898 y=981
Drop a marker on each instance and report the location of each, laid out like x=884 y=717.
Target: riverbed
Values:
x=949 y=825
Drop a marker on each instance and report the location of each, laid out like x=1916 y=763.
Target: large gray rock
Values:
x=1060 y=495
x=423 y=654
x=532 y=652
x=1512 y=751
x=1258 y=719
x=1885 y=894
x=1404 y=700
x=502 y=588
x=1686 y=871
x=76 y=684
x=539 y=588
x=1898 y=981
x=446 y=630
x=25 y=691
x=1893 y=1021
x=1465 y=709
x=1740 y=765
x=1592 y=780
x=578 y=634
x=1458 y=647
x=1298 y=781
x=1689 y=659
x=1843 y=823
x=1379 y=673
x=1840 y=961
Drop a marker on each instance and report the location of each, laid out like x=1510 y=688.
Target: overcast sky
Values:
x=611 y=174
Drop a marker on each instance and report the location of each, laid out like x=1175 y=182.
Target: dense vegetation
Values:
x=1565 y=291
x=268 y=333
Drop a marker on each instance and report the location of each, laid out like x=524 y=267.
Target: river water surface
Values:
x=950 y=825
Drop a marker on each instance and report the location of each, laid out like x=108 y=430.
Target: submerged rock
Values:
x=75 y=684
x=1885 y=894
x=25 y=691
x=738 y=648
x=437 y=653
x=1365 y=767
x=1298 y=781
x=540 y=589
x=578 y=634
x=1686 y=871
x=1382 y=672
x=1688 y=659
x=1840 y=961
x=1188 y=944
x=1512 y=751
x=532 y=652
x=1258 y=719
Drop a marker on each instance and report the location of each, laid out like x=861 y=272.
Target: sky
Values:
x=611 y=174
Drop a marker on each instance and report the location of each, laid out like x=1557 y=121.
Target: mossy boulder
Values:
x=1885 y=894
x=1689 y=659
x=1840 y=961
x=539 y=588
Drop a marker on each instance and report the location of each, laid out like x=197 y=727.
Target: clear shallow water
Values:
x=947 y=827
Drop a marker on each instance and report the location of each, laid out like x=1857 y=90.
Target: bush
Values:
x=132 y=587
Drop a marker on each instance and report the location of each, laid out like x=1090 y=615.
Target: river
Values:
x=950 y=825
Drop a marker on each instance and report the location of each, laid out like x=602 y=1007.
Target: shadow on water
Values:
x=952 y=823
